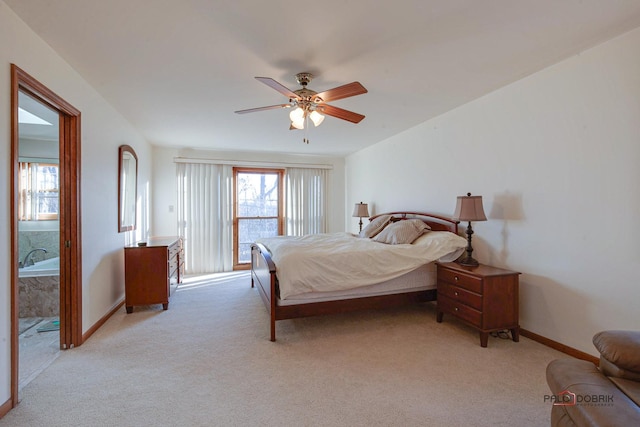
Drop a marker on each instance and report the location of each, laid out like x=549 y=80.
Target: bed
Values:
x=322 y=293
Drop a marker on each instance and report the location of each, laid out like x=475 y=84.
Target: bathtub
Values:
x=39 y=289
x=48 y=267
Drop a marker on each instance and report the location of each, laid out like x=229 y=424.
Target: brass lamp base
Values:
x=468 y=261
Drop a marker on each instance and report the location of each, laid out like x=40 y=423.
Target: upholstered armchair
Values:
x=585 y=395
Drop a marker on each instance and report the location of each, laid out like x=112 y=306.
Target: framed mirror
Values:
x=127 y=188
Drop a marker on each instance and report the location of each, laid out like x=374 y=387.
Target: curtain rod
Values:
x=251 y=163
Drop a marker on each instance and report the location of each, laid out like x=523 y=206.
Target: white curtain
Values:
x=306 y=206
x=205 y=210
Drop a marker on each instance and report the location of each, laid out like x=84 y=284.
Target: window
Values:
x=38 y=185
x=258 y=209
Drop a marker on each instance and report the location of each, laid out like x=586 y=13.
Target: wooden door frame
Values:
x=69 y=216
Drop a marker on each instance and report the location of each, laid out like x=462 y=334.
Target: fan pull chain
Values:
x=306 y=126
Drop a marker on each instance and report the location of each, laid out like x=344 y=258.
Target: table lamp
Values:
x=469 y=208
x=361 y=210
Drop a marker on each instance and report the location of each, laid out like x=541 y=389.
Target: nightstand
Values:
x=483 y=297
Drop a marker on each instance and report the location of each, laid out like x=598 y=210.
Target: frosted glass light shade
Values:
x=297 y=118
x=316 y=118
x=296 y=114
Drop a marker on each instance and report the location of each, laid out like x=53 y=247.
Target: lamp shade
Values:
x=469 y=208
x=316 y=118
x=296 y=114
x=297 y=118
x=361 y=210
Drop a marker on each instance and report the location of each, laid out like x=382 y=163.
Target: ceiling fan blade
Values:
x=340 y=92
x=277 y=86
x=340 y=113
x=270 y=107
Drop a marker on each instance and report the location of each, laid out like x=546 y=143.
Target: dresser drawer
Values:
x=174 y=250
x=172 y=268
x=474 y=284
x=462 y=311
x=459 y=294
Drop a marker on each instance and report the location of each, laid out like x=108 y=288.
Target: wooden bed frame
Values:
x=263 y=276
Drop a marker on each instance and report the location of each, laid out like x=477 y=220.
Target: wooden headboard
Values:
x=436 y=222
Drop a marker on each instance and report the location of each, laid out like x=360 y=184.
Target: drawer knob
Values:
x=455 y=309
x=456 y=278
x=456 y=293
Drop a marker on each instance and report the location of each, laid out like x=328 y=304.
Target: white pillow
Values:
x=443 y=239
x=402 y=232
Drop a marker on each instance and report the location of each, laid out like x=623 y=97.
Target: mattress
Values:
x=421 y=279
x=338 y=262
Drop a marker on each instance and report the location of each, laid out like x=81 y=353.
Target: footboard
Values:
x=263 y=276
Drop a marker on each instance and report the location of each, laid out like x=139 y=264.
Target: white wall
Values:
x=164 y=182
x=556 y=158
x=103 y=130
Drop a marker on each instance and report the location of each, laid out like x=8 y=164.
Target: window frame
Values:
x=236 y=219
x=33 y=214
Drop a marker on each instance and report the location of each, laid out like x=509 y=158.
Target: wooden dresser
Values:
x=484 y=297
x=152 y=272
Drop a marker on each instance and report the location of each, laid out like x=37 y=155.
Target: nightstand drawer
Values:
x=465 y=281
x=464 y=312
x=459 y=294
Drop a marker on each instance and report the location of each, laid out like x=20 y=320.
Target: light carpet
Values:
x=208 y=361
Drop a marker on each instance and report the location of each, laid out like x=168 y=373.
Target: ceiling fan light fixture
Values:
x=296 y=114
x=308 y=105
x=316 y=118
x=298 y=121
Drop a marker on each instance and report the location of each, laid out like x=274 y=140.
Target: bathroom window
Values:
x=38 y=191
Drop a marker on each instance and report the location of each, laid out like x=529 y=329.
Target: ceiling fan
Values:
x=311 y=105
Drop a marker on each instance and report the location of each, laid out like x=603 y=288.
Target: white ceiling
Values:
x=177 y=70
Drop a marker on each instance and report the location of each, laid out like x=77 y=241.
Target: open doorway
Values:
x=33 y=197
x=38 y=237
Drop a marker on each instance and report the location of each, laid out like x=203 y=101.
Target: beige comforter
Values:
x=338 y=261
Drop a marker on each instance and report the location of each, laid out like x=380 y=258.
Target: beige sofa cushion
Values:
x=630 y=388
x=619 y=353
